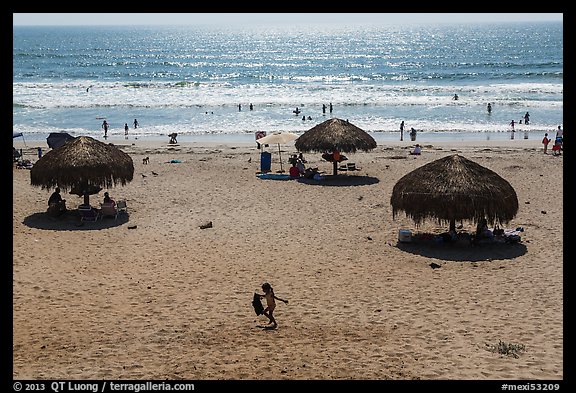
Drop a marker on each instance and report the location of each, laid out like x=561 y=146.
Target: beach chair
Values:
x=122 y=207
x=16 y=155
x=88 y=213
x=108 y=210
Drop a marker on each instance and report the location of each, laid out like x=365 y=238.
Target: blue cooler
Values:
x=404 y=236
x=265 y=161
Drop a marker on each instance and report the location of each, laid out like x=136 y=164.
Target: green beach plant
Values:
x=507 y=349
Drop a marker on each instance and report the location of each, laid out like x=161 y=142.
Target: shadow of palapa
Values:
x=462 y=252
x=341 y=180
x=70 y=221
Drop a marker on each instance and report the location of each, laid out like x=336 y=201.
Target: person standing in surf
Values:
x=105 y=126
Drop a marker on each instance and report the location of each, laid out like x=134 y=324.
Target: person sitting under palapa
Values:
x=108 y=200
x=482 y=232
x=108 y=207
x=301 y=167
x=294 y=172
x=56 y=205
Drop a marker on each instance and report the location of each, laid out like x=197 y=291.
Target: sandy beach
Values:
x=153 y=296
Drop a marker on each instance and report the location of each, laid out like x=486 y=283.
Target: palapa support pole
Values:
x=453 y=225
x=335 y=165
x=280 y=154
x=85 y=192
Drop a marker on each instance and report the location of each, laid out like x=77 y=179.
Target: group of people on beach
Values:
x=297 y=111
x=558 y=142
x=412 y=132
x=526 y=118
x=106 y=127
x=298 y=169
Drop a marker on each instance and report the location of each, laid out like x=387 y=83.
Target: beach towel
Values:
x=274 y=176
x=257 y=304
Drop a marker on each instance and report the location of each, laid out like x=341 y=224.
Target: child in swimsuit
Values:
x=270 y=302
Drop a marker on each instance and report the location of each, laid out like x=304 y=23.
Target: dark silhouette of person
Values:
x=323 y=108
x=331 y=108
x=56 y=205
x=105 y=126
x=135 y=123
x=489 y=108
x=251 y=106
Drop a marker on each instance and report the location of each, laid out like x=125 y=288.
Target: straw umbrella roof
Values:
x=84 y=163
x=454 y=188
x=335 y=134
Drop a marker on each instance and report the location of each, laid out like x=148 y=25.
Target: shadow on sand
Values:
x=465 y=252
x=70 y=221
x=341 y=180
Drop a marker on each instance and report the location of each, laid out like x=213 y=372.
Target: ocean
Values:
x=201 y=81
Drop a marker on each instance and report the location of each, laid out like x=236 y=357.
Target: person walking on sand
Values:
x=135 y=123
x=545 y=142
x=512 y=124
x=270 y=303
x=126 y=130
x=402 y=130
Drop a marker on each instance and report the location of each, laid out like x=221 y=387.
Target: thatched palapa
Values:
x=335 y=134
x=452 y=189
x=83 y=163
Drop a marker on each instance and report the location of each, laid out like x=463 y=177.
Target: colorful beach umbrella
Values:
x=279 y=138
